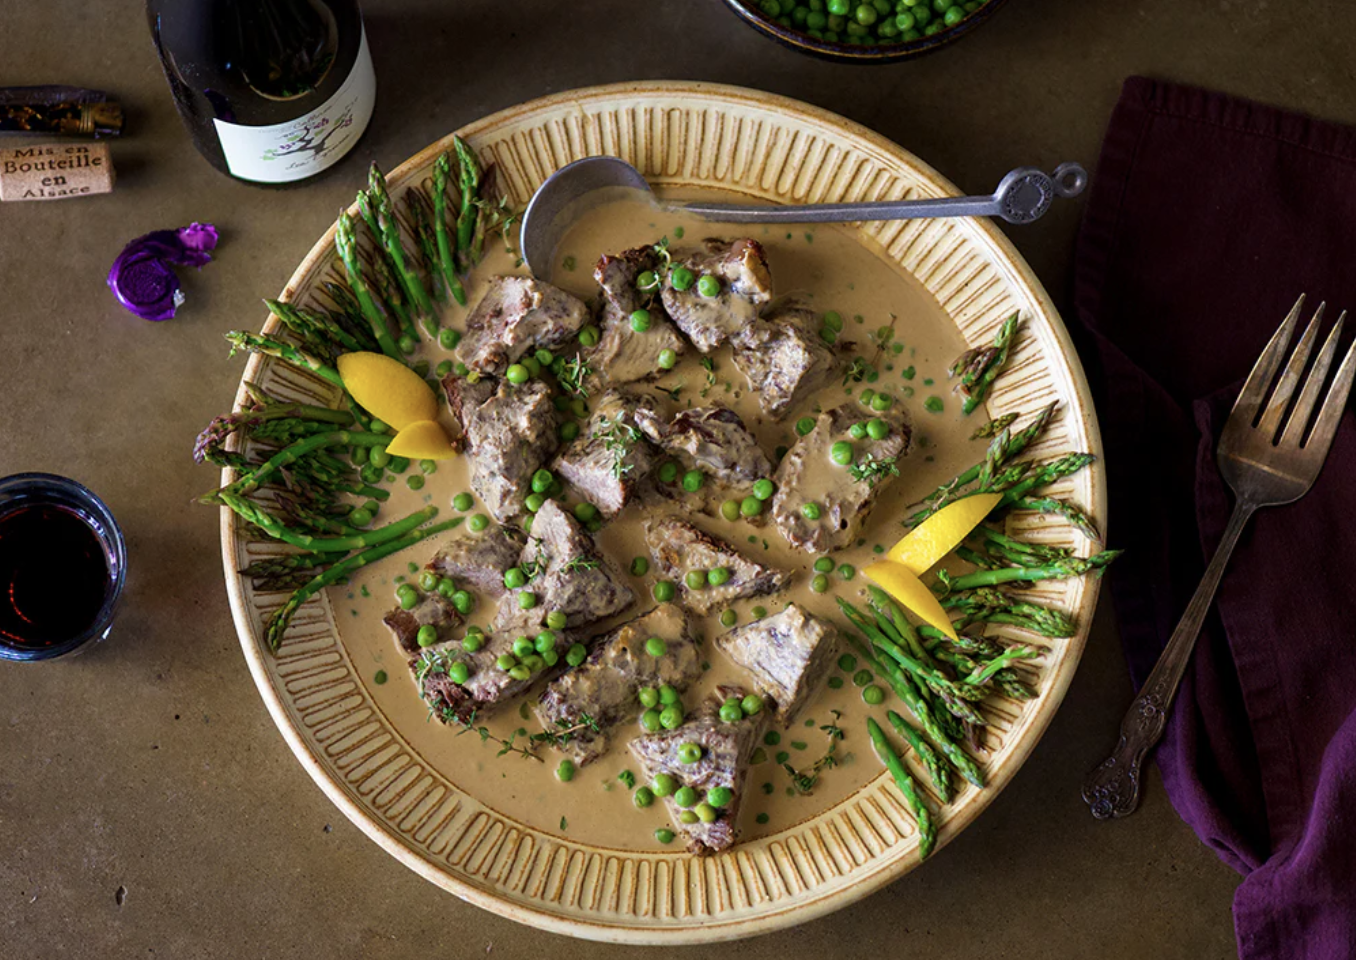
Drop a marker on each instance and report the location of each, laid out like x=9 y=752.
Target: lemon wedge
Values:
x=387 y=389
x=421 y=440
x=942 y=532
x=902 y=584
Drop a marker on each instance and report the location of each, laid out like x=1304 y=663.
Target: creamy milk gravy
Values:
x=840 y=270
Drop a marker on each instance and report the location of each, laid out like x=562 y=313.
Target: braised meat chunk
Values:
x=565 y=573
x=783 y=357
x=843 y=495
x=786 y=656
x=711 y=439
x=518 y=314
x=595 y=698
x=740 y=269
x=510 y=431
x=432 y=610
x=610 y=457
x=478 y=561
x=717 y=777
x=625 y=353
x=679 y=548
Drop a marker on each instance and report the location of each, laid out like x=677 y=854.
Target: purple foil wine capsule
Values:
x=141 y=277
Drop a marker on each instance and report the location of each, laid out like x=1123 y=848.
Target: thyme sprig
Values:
x=805 y=782
x=871 y=469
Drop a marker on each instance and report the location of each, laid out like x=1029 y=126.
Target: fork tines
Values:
x=1274 y=416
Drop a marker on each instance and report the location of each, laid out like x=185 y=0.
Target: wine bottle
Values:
x=272 y=91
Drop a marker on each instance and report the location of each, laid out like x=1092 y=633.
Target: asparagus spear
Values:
x=292 y=454
x=1054 y=570
x=1001 y=450
x=287 y=563
x=938 y=772
x=993 y=606
x=277 y=625
x=927 y=830
x=993 y=427
x=447 y=248
x=395 y=248
x=468 y=182
x=979 y=368
x=348 y=315
x=938 y=682
x=392 y=295
x=323 y=328
x=1000 y=662
x=257 y=343
x=346 y=243
x=422 y=227
x=359 y=541
x=1061 y=508
x=922 y=711
x=216 y=432
x=1047 y=474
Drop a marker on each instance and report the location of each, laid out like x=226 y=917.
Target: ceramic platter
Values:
x=408 y=783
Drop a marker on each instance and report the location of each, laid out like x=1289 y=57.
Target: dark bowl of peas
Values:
x=865 y=31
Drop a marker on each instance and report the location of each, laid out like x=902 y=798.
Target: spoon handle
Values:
x=1022 y=197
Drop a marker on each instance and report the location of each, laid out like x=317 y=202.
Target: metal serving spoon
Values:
x=1022 y=196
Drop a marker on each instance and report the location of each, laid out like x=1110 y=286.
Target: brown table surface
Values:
x=148 y=806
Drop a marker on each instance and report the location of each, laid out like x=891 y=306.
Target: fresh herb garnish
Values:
x=618 y=439
x=499 y=215
x=870 y=469
x=628 y=778
x=565 y=732
x=532 y=569
x=709 y=366
x=573 y=374
x=856 y=371
x=671 y=391
x=564 y=824
x=581 y=563
x=804 y=783
x=449 y=714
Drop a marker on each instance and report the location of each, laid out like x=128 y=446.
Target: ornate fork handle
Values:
x=1112 y=789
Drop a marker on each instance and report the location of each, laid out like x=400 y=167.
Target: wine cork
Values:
x=54 y=171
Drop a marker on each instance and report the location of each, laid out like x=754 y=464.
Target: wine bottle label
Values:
x=301 y=148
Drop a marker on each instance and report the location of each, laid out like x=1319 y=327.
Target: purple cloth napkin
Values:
x=1208 y=216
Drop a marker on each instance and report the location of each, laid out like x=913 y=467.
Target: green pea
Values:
x=667 y=694
x=664 y=785
x=643 y=797
x=565 y=772
x=706 y=813
x=728 y=618
x=544 y=357
x=862 y=677
x=882 y=401
x=759 y=612
x=689 y=752
x=693 y=480
x=752 y=704
x=828 y=336
x=835 y=683
x=414 y=482
x=695 y=579
x=819 y=583
x=804 y=425
x=668 y=472
x=810 y=511
x=517 y=373
x=556 y=620
x=648 y=697
x=681 y=278
x=527 y=600
x=576 y=655
x=520 y=672
x=360 y=517
x=542 y=480
x=782 y=757
x=463 y=502
x=750 y=507
x=427 y=635
x=588 y=336
x=687 y=816
x=459 y=672
x=584 y=512
x=399 y=464
x=847 y=571
x=664 y=591
x=838 y=8
x=668 y=359
x=866 y=396
x=522 y=647
x=671 y=717
x=428 y=581
x=478 y=522
x=652 y=721
x=953 y=15
x=378 y=457
x=639 y=567
x=534 y=502
x=708 y=286
x=824 y=564
x=685 y=796
x=833 y=320
x=717 y=576
x=857 y=431
x=656 y=647
x=719 y=796
x=730 y=714
x=764 y=489
x=640 y=320
x=514 y=578
x=841 y=453
x=664 y=835
x=546 y=640
x=873 y=695
x=447 y=587
x=448 y=338
x=472 y=642
x=505 y=662
x=407 y=596
x=730 y=509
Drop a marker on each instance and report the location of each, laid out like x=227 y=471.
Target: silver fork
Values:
x=1266 y=461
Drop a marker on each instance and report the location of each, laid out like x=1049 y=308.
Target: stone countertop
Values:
x=148 y=806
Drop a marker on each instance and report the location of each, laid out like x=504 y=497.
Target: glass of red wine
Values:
x=62 y=566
